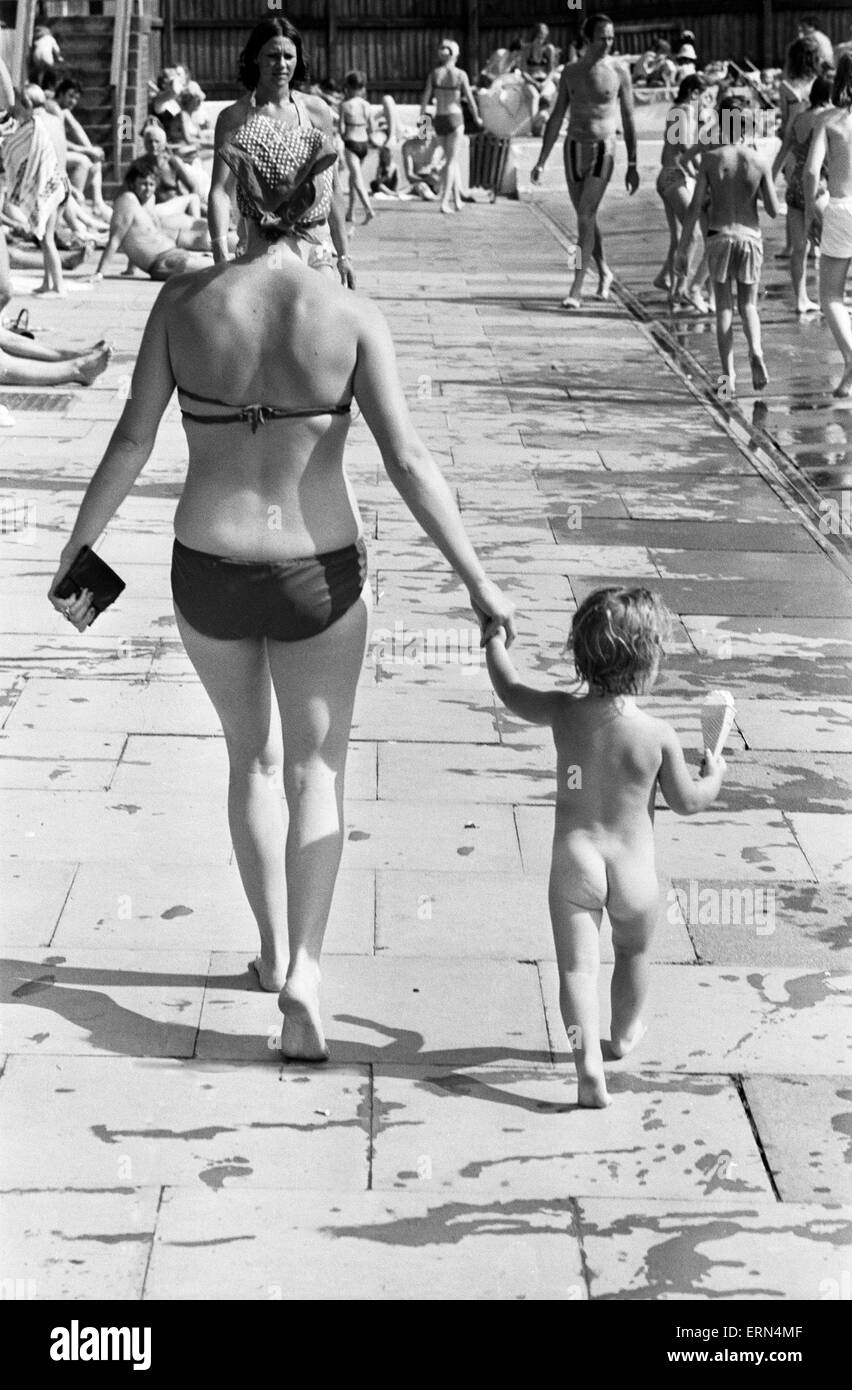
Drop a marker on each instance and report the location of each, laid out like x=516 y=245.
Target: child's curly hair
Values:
x=617 y=639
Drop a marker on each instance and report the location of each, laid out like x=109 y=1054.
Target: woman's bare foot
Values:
x=759 y=374
x=662 y=281
x=843 y=390
x=90 y=364
x=620 y=1046
x=302 y=1037
x=592 y=1093
x=605 y=284
x=448 y=209
x=268 y=977
x=807 y=306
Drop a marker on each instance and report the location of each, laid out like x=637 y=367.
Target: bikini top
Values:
x=255 y=415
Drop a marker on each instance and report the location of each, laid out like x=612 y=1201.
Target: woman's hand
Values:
x=347 y=274
x=493 y=611
x=79 y=610
x=536 y=173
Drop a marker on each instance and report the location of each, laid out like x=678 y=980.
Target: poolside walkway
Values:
x=154 y=1144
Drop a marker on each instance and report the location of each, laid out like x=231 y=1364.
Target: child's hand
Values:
x=713 y=766
x=499 y=635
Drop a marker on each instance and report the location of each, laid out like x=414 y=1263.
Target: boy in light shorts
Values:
x=733 y=178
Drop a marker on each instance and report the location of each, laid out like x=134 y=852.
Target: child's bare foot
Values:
x=592 y=1093
x=92 y=363
x=759 y=374
x=302 y=1037
x=267 y=976
x=620 y=1046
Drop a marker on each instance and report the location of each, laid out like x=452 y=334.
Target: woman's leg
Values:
x=315 y=683
x=799 y=260
x=452 y=173
x=236 y=677
x=832 y=282
x=52 y=265
x=358 y=187
x=20 y=370
x=665 y=279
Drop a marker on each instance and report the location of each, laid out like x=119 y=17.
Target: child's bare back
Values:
x=735 y=177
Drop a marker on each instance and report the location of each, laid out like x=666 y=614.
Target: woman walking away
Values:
x=449 y=86
x=269 y=563
x=832 y=145
x=355 y=123
x=794 y=154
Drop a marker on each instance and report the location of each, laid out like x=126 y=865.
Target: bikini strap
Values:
x=257 y=415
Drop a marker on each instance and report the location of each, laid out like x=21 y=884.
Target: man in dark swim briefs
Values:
x=135 y=231
x=597 y=88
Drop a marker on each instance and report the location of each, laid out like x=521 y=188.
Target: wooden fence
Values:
x=394 y=41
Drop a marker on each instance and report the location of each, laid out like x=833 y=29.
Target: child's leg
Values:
x=832 y=283
x=799 y=260
x=631 y=941
x=575 y=934
x=747 y=305
x=725 y=331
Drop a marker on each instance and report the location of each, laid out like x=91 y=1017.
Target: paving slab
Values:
x=152 y=1121
x=390 y=1009
x=767 y=924
x=813 y=725
x=459 y=714
x=376 y=1245
x=791 y=781
x=32 y=897
x=688 y=1252
x=805 y=1126
x=479 y=915
x=72 y=1246
x=92 y=1001
x=78 y=761
x=152 y=907
x=731 y=1019
x=496 y=1128
x=826 y=841
x=114 y=706
x=92 y=826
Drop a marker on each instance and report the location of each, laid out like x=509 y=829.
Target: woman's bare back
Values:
x=248 y=333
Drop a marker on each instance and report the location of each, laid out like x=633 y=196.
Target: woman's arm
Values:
x=428 y=92
x=813 y=169
x=536 y=706
x=413 y=471
x=132 y=439
x=467 y=93
x=186 y=176
x=693 y=212
x=222 y=182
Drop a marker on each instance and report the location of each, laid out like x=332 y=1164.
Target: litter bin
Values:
x=489 y=156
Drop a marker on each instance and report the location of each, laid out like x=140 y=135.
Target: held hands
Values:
x=631 y=179
x=493 y=611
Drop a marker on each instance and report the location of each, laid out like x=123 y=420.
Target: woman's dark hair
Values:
x=355 y=80
x=249 y=72
x=841 y=89
x=617 y=639
x=590 y=24
x=804 y=59
x=689 y=86
x=820 y=93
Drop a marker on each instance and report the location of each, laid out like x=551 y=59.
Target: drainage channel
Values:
x=774 y=465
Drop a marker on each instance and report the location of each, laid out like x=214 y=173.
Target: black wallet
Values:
x=89 y=571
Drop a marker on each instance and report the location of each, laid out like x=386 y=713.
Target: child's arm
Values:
x=683 y=795
x=536 y=706
x=768 y=194
x=781 y=157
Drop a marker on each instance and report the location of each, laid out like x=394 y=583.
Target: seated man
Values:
x=84 y=161
x=422 y=162
x=136 y=231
